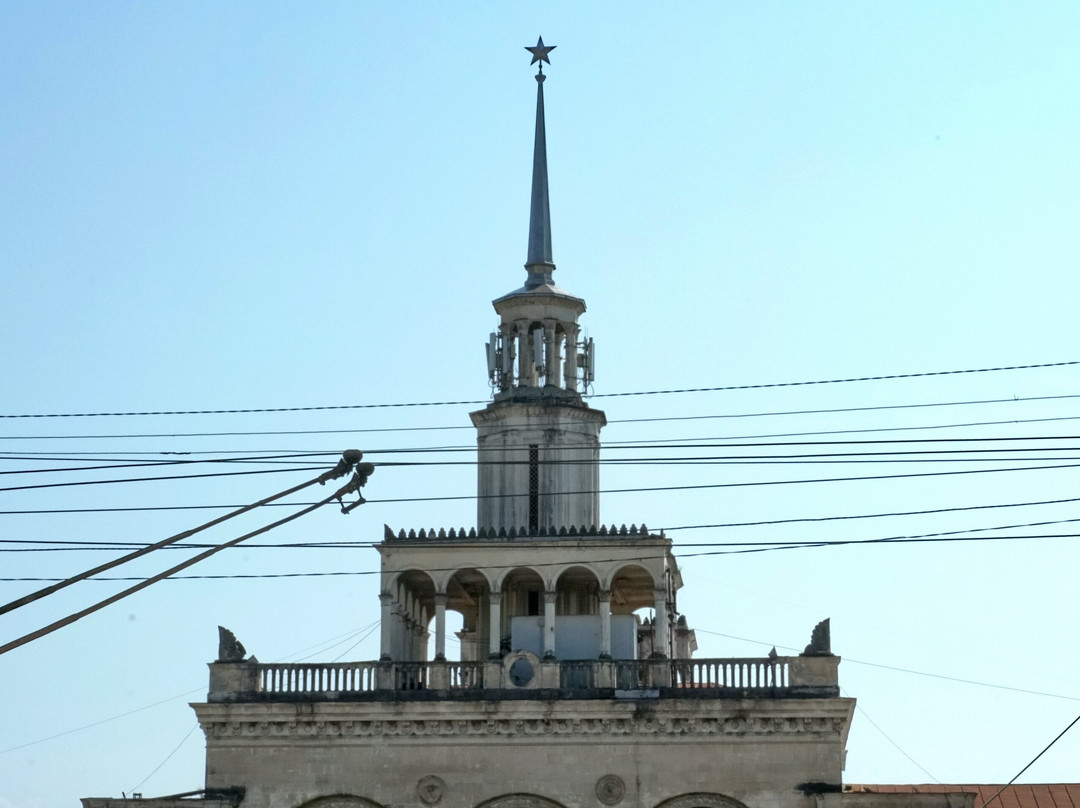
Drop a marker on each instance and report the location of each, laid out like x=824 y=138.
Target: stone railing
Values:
x=782 y=677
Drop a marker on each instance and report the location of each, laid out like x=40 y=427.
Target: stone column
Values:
x=551 y=353
x=524 y=354
x=506 y=368
x=386 y=626
x=570 y=372
x=660 y=624
x=605 y=624
x=440 y=627
x=549 y=625
x=495 y=626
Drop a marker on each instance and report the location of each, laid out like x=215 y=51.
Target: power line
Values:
x=467 y=497
x=848 y=659
x=159 y=479
x=348 y=462
x=756 y=547
x=762 y=386
x=1043 y=752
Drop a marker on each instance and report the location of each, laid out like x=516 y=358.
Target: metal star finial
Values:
x=540 y=53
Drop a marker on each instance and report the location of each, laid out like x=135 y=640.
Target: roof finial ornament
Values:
x=539 y=263
x=540 y=54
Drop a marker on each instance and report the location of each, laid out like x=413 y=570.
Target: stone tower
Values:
x=576 y=686
x=538 y=442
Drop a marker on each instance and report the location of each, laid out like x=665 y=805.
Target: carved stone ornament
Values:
x=430 y=789
x=230 y=649
x=610 y=789
x=617 y=726
x=820 y=640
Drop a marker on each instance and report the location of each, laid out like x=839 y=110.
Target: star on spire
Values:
x=540 y=52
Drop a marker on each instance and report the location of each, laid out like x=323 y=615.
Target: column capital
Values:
x=440 y=599
x=549 y=597
x=385 y=598
x=495 y=597
x=604 y=594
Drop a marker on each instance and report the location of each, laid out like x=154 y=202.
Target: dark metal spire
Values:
x=539 y=263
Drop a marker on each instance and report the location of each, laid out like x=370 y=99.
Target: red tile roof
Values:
x=1020 y=795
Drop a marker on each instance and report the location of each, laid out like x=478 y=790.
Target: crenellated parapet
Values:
x=502 y=534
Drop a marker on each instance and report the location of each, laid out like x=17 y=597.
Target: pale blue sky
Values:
x=239 y=205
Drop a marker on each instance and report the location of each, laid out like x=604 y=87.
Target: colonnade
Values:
x=404 y=625
x=545 y=348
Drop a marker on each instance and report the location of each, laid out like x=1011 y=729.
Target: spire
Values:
x=538 y=263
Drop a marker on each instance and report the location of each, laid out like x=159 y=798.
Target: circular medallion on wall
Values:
x=610 y=789
x=430 y=789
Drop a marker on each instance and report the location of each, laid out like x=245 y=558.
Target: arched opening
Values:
x=633 y=610
x=579 y=624
x=468 y=616
x=522 y=621
x=413 y=594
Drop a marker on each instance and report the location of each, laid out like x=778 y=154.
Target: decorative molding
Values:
x=760 y=726
x=489 y=534
x=610 y=789
x=430 y=789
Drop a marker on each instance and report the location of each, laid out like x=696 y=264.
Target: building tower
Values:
x=538 y=442
x=564 y=696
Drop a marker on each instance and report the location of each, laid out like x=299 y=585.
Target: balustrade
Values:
x=782 y=677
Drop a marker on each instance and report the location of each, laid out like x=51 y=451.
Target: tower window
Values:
x=534 y=489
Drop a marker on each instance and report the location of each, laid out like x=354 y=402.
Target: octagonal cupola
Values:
x=538 y=349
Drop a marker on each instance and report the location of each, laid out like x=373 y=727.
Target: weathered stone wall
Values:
x=633 y=753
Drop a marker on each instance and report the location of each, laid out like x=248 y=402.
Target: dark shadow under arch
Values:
x=701 y=799
x=340 y=801
x=520 y=801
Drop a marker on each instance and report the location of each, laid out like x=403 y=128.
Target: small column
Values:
x=506 y=369
x=549 y=625
x=605 y=624
x=570 y=372
x=551 y=353
x=386 y=626
x=401 y=632
x=660 y=624
x=524 y=353
x=440 y=627
x=495 y=626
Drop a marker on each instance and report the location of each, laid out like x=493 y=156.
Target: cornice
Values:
x=222 y=727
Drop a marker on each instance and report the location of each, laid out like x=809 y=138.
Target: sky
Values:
x=299 y=211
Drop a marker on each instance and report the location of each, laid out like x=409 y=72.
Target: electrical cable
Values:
x=343 y=467
x=23 y=601
x=762 y=386
x=1043 y=752
x=848 y=659
x=467 y=497
x=82 y=546
x=158 y=479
